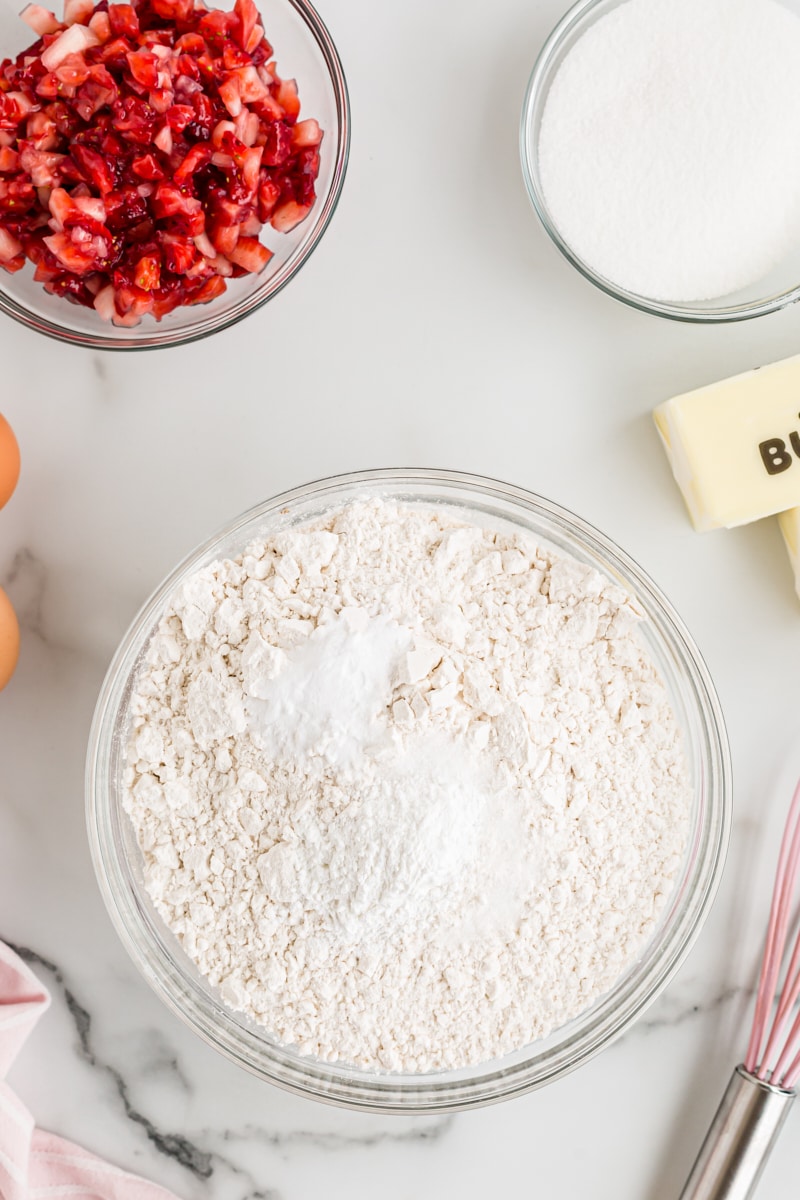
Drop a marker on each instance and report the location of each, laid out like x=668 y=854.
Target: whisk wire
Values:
x=755 y=1062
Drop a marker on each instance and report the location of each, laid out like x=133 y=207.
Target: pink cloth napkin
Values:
x=35 y=1164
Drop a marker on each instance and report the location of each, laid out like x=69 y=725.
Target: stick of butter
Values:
x=734 y=446
x=789 y=522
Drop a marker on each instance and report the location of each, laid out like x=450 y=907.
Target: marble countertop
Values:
x=434 y=326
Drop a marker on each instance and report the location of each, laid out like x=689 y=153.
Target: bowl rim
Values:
x=435 y=1092
x=157 y=337
x=570 y=26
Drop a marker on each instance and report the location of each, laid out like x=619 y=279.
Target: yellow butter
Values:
x=790 y=528
x=734 y=446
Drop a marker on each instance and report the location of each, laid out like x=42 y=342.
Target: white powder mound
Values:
x=670 y=145
x=409 y=791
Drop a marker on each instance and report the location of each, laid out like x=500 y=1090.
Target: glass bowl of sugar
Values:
x=408 y=791
x=658 y=148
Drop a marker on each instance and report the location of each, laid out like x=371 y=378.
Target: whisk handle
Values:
x=742 y=1134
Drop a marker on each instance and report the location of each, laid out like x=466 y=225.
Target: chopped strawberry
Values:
x=100 y=26
x=179 y=253
x=288 y=99
x=44 y=169
x=9 y=160
x=41 y=20
x=74 y=40
x=93 y=167
x=279 y=144
x=147 y=166
x=148 y=273
x=287 y=215
x=250 y=254
x=143 y=147
x=124 y=21
x=78 y=12
x=230 y=95
x=10 y=248
x=307 y=133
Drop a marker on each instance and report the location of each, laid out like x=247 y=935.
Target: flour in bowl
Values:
x=409 y=791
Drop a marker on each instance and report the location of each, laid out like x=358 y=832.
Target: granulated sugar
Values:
x=409 y=791
x=668 y=147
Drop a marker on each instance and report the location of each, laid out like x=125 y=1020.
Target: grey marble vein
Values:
x=673 y=1012
x=26 y=580
x=174 y=1146
x=207 y=1164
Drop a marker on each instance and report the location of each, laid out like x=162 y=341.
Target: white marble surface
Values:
x=434 y=326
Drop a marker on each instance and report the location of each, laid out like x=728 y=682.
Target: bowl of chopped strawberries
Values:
x=165 y=167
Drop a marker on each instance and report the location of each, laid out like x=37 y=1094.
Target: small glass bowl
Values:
x=173 y=976
x=305 y=51
x=777 y=290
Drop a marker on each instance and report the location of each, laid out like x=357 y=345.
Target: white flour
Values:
x=409 y=791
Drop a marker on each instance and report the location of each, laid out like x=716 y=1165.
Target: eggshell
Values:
x=9 y=639
x=9 y=461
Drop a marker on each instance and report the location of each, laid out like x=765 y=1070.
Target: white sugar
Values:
x=669 y=148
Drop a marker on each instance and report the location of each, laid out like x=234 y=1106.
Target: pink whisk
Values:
x=756 y=1103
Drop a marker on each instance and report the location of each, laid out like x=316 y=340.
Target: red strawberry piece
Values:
x=9 y=160
x=198 y=156
x=209 y=290
x=125 y=208
x=234 y=57
x=185 y=213
x=41 y=20
x=268 y=196
x=146 y=166
x=50 y=87
x=104 y=303
x=307 y=133
x=224 y=237
x=95 y=94
x=41 y=131
x=115 y=53
x=288 y=98
x=216 y=27
x=101 y=27
x=135 y=120
x=148 y=273
x=124 y=21
x=247 y=15
x=179 y=253
x=44 y=168
x=278 y=146
x=251 y=87
x=288 y=215
x=179 y=11
x=74 y=40
x=73 y=71
x=179 y=116
x=13 y=107
x=230 y=95
x=144 y=67
x=17 y=196
x=78 y=11
x=10 y=248
x=250 y=255
x=191 y=43
x=94 y=168
x=77 y=257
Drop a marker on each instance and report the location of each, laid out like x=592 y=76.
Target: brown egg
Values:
x=9 y=639
x=9 y=461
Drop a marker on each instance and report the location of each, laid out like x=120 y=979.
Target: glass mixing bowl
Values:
x=778 y=290
x=168 y=969
x=305 y=51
